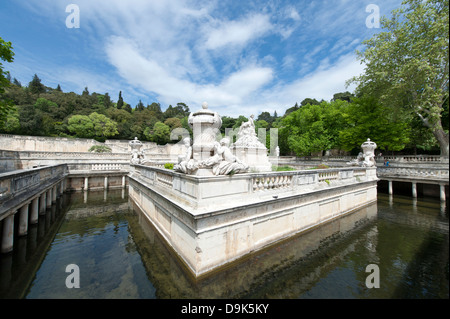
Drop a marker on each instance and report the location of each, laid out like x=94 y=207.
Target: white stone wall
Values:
x=211 y=235
x=63 y=144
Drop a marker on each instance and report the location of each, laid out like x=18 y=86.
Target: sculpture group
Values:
x=223 y=162
x=366 y=158
x=137 y=156
x=206 y=152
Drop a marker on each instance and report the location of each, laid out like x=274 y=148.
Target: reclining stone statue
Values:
x=223 y=162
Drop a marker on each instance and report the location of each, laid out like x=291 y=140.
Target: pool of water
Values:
x=120 y=255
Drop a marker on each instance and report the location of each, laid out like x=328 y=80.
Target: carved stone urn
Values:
x=205 y=125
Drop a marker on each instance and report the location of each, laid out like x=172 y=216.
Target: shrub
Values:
x=282 y=168
x=100 y=149
x=168 y=165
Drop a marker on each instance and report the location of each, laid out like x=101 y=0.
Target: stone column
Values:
x=86 y=183
x=54 y=194
x=42 y=203
x=34 y=211
x=23 y=220
x=8 y=234
x=442 y=192
x=49 y=198
x=414 y=190
x=106 y=182
x=123 y=181
x=390 y=188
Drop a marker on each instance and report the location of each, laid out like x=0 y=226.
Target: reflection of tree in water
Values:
x=427 y=268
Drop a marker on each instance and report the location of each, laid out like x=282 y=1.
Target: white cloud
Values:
x=321 y=83
x=293 y=14
x=149 y=75
x=238 y=33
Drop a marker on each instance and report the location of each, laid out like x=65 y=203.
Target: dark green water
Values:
x=120 y=255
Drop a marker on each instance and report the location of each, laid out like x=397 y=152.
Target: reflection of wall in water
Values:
x=239 y=278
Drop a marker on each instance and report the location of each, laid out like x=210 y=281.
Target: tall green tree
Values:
x=103 y=126
x=81 y=126
x=311 y=128
x=120 y=101
x=140 y=106
x=407 y=65
x=160 y=133
x=30 y=120
x=35 y=86
x=6 y=54
x=366 y=118
x=93 y=125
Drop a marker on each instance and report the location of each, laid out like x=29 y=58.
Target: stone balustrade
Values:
x=106 y=167
x=418 y=172
x=271 y=182
x=15 y=183
x=414 y=159
x=200 y=189
x=164 y=179
x=392 y=159
x=337 y=160
x=27 y=193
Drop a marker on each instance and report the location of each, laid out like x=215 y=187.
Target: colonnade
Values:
x=105 y=183
x=414 y=189
x=29 y=214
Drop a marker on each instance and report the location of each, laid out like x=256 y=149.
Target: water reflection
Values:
x=95 y=237
x=407 y=239
x=121 y=255
x=256 y=275
x=18 y=268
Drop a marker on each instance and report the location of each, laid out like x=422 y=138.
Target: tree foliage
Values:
x=366 y=118
x=407 y=65
x=311 y=128
x=6 y=54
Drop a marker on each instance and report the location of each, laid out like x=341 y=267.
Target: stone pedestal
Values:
x=255 y=158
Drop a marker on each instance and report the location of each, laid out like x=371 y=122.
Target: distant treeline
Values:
x=309 y=127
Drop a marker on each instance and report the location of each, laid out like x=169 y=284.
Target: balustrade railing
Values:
x=164 y=179
x=415 y=172
x=381 y=159
x=272 y=182
x=106 y=167
x=328 y=176
x=18 y=182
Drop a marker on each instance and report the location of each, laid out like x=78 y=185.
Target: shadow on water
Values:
x=121 y=255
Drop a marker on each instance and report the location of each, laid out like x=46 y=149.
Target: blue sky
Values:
x=242 y=57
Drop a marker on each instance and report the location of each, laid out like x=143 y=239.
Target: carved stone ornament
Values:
x=366 y=158
x=137 y=156
x=247 y=135
x=206 y=153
